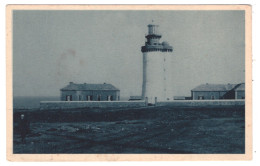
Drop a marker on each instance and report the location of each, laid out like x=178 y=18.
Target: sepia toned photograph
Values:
x=129 y=80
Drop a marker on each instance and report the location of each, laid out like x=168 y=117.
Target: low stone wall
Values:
x=46 y=105
x=201 y=103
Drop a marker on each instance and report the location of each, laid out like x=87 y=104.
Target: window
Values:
x=79 y=97
x=200 y=97
x=212 y=97
x=99 y=97
x=89 y=98
x=109 y=98
x=69 y=98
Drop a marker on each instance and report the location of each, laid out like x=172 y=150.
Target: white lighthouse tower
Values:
x=157 y=58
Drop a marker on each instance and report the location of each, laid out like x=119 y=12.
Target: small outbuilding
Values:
x=90 y=92
x=179 y=97
x=133 y=98
x=240 y=91
x=218 y=91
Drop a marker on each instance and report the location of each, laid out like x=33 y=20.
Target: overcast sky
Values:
x=52 y=48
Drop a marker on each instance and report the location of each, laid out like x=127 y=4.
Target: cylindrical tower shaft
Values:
x=157 y=81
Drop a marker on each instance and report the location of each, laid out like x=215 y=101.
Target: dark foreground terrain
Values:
x=140 y=130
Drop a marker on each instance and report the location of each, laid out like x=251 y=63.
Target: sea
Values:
x=31 y=102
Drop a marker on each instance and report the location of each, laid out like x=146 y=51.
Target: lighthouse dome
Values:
x=164 y=43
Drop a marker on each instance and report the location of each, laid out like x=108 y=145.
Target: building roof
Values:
x=85 y=86
x=240 y=87
x=214 y=87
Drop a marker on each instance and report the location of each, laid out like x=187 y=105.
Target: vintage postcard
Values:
x=129 y=82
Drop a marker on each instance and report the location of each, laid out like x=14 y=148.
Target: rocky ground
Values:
x=141 y=130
